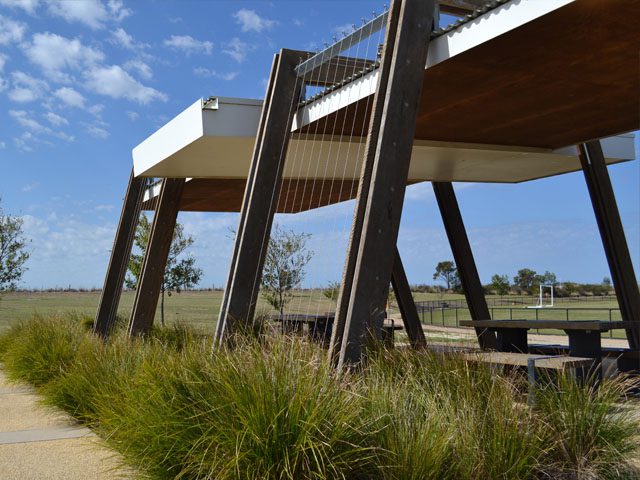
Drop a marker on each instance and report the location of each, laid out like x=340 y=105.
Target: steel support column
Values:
x=155 y=256
x=261 y=198
x=463 y=257
x=406 y=304
x=120 y=254
x=383 y=210
x=605 y=208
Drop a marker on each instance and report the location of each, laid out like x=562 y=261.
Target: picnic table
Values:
x=585 y=338
x=320 y=326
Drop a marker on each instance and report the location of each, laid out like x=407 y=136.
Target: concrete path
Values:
x=41 y=443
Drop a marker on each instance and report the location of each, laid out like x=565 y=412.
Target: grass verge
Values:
x=275 y=409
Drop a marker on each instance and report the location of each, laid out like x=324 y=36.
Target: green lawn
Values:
x=200 y=309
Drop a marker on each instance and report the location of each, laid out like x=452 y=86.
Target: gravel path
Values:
x=41 y=443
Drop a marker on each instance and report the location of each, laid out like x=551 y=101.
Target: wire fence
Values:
x=450 y=316
x=513 y=300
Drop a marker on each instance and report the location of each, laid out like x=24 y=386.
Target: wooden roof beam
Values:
x=460 y=7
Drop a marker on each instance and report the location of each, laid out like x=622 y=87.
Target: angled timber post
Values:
x=406 y=304
x=119 y=260
x=375 y=251
x=261 y=198
x=463 y=257
x=337 y=333
x=612 y=234
x=247 y=191
x=155 y=256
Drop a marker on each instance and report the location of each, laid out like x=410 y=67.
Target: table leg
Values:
x=588 y=344
x=512 y=340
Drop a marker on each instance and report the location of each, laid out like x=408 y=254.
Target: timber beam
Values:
x=406 y=304
x=261 y=197
x=120 y=254
x=374 y=263
x=155 y=256
x=463 y=257
x=607 y=215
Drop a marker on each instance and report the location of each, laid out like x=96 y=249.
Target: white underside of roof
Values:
x=218 y=142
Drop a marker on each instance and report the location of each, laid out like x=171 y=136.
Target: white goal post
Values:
x=541 y=297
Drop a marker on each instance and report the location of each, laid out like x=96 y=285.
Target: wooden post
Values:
x=119 y=260
x=383 y=210
x=463 y=257
x=406 y=304
x=245 y=199
x=155 y=257
x=261 y=195
x=344 y=295
x=605 y=208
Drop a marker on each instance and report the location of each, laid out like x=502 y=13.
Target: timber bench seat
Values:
x=555 y=362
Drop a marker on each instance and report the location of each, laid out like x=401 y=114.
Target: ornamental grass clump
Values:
x=593 y=431
x=273 y=407
x=446 y=418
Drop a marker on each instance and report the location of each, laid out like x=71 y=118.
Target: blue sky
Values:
x=83 y=82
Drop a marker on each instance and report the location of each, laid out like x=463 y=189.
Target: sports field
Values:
x=200 y=308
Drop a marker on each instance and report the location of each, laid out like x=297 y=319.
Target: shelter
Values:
x=515 y=91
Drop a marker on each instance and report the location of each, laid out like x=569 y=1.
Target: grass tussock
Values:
x=275 y=409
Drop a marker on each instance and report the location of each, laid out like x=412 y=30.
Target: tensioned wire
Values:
x=358 y=154
x=334 y=179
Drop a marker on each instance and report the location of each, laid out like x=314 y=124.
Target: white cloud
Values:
x=30 y=187
x=70 y=97
x=26 y=88
x=208 y=73
x=249 y=20
x=117 y=10
x=133 y=116
x=23 y=142
x=55 y=119
x=96 y=109
x=115 y=82
x=237 y=49
x=10 y=31
x=2 y=145
x=342 y=29
x=104 y=208
x=26 y=120
x=97 y=132
x=91 y=13
x=3 y=61
x=189 y=45
x=140 y=67
x=28 y=6
x=122 y=38
x=53 y=53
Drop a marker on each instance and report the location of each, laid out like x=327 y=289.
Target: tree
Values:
x=606 y=281
x=447 y=272
x=500 y=284
x=332 y=291
x=179 y=273
x=547 y=278
x=525 y=279
x=13 y=253
x=284 y=265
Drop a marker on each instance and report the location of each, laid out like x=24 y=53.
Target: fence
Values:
x=505 y=301
x=450 y=316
